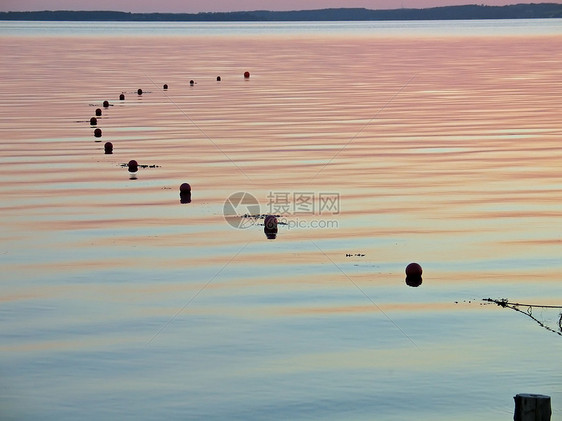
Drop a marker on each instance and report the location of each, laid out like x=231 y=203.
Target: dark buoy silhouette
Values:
x=108 y=147
x=122 y=97
x=97 y=133
x=218 y=78
x=270 y=227
x=246 y=75
x=93 y=121
x=414 y=269
x=98 y=112
x=165 y=86
x=185 y=193
x=139 y=92
x=192 y=82
x=133 y=166
x=414 y=275
x=105 y=104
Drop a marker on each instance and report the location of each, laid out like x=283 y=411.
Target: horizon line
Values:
x=530 y=3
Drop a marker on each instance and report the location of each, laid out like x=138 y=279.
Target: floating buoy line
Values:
x=133 y=166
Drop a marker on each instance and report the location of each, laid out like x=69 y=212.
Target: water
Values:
x=379 y=144
x=407 y=29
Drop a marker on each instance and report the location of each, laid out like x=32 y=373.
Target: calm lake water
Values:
x=377 y=144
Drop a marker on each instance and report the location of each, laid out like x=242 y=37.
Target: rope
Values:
x=504 y=302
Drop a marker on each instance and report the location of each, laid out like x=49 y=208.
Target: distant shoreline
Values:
x=516 y=11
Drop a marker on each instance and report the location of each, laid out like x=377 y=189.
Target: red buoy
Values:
x=270 y=227
x=98 y=112
x=185 y=193
x=108 y=147
x=133 y=165
x=414 y=275
x=246 y=75
x=93 y=121
x=97 y=133
x=414 y=269
x=185 y=188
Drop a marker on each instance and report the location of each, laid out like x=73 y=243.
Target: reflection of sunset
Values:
x=421 y=138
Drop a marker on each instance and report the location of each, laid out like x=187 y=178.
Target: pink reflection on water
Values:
x=440 y=141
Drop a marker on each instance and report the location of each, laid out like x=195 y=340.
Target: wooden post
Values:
x=529 y=407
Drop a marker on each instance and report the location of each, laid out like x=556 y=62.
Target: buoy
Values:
x=105 y=104
x=133 y=165
x=139 y=92
x=185 y=188
x=108 y=147
x=98 y=112
x=93 y=121
x=165 y=86
x=270 y=227
x=185 y=193
x=414 y=269
x=246 y=75
x=414 y=275
x=191 y=82
x=218 y=78
x=122 y=97
x=97 y=133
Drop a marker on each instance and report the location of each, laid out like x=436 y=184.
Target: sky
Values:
x=195 y=6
